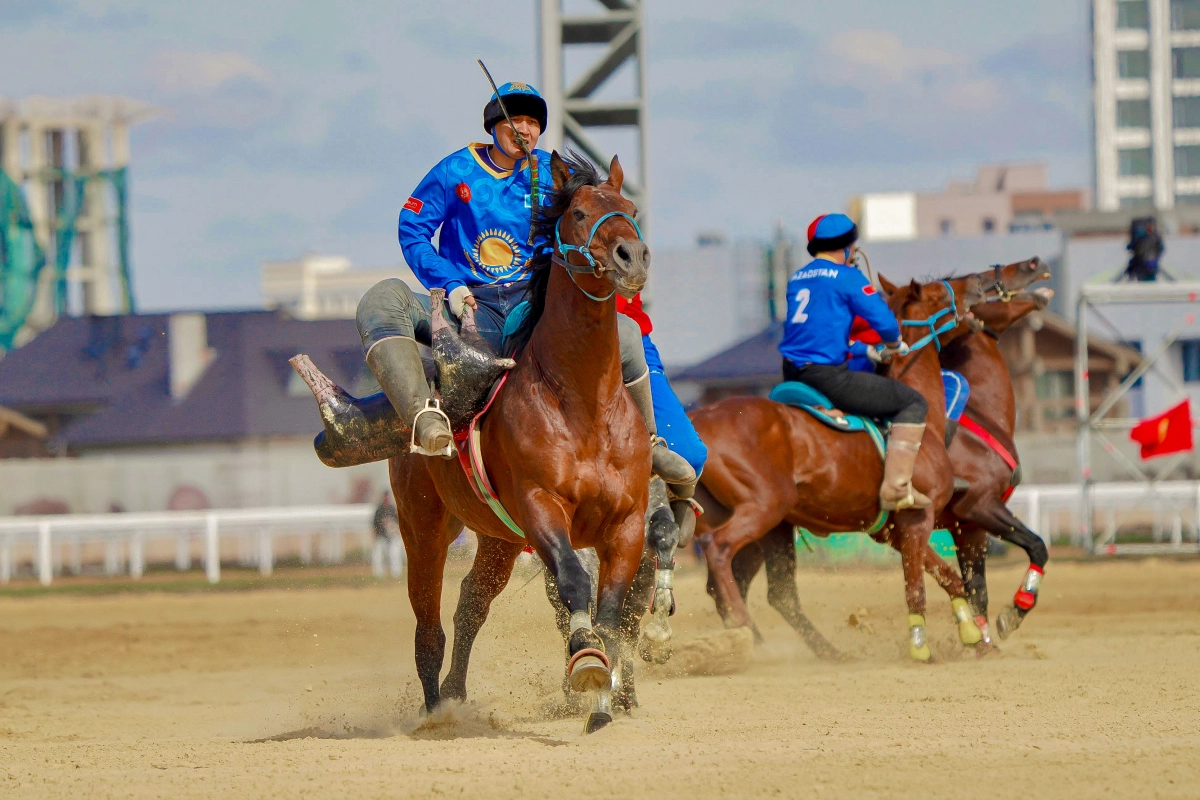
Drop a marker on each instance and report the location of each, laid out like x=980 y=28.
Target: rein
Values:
x=562 y=252
x=1003 y=295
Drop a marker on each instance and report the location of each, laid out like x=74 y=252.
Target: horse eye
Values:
x=580 y=216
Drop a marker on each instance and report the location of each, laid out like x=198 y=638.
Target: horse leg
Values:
x=662 y=536
x=720 y=546
x=427 y=530
x=1000 y=522
x=620 y=561
x=487 y=578
x=779 y=553
x=968 y=631
x=749 y=560
x=970 y=542
x=636 y=604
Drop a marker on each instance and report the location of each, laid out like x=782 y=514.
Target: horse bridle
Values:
x=1003 y=294
x=562 y=251
x=934 y=330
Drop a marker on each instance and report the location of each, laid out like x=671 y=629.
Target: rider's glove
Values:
x=875 y=354
x=458 y=296
x=893 y=349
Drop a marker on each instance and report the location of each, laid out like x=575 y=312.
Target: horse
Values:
x=973 y=510
x=773 y=467
x=564 y=447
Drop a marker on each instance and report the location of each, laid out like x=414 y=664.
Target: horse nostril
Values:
x=622 y=253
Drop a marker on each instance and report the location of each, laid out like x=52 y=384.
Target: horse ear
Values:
x=914 y=289
x=559 y=170
x=886 y=286
x=616 y=175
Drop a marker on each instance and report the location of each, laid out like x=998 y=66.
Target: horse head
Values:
x=999 y=317
x=936 y=312
x=596 y=237
x=1003 y=283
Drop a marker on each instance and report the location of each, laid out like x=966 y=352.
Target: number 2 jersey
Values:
x=823 y=299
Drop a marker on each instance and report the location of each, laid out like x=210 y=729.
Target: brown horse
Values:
x=972 y=511
x=980 y=509
x=564 y=447
x=774 y=467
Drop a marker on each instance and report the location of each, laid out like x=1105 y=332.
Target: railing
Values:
x=52 y=542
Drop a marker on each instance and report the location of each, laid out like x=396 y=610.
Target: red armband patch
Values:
x=868 y=289
x=464 y=192
x=414 y=205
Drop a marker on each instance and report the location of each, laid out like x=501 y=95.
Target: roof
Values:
x=108 y=378
x=750 y=360
x=20 y=422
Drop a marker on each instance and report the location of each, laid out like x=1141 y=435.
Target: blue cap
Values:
x=520 y=99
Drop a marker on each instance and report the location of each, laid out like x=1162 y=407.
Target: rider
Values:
x=823 y=299
x=673 y=422
x=481 y=197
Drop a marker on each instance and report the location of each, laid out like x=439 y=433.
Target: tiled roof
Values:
x=750 y=360
x=109 y=376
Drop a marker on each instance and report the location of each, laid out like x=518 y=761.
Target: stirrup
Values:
x=432 y=406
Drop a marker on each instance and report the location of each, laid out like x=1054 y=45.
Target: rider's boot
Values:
x=396 y=363
x=667 y=465
x=897 y=492
x=685 y=510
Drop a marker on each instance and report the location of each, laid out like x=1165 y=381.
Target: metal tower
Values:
x=574 y=108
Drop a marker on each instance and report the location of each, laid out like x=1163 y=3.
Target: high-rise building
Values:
x=1146 y=84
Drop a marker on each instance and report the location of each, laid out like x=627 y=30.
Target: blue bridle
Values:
x=934 y=330
x=562 y=251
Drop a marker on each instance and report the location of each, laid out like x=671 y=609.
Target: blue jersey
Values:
x=484 y=216
x=823 y=299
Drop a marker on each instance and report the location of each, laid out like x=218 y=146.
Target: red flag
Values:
x=1169 y=432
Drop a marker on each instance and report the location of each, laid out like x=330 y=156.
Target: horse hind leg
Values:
x=779 y=555
x=970 y=542
x=968 y=630
x=662 y=535
x=1011 y=529
x=637 y=603
x=487 y=578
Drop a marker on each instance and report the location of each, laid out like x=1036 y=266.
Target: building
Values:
x=1146 y=98
x=148 y=411
x=323 y=287
x=1002 y=198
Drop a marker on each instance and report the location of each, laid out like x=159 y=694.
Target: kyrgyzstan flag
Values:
x=1169 y=432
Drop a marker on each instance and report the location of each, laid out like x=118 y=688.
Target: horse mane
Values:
x=553 y=203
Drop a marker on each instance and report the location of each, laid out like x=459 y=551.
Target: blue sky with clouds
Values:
x=293 y=127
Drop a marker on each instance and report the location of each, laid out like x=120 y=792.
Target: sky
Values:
x=301 y=127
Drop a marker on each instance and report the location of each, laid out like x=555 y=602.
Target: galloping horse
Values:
x=979 y=508
x=772 y=467
x=564 y=446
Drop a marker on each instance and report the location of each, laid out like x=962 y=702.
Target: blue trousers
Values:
x=672 y=420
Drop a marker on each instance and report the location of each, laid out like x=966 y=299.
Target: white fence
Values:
x=1161 y=517
x=254 y=536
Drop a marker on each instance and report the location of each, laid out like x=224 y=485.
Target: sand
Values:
x=312 y=693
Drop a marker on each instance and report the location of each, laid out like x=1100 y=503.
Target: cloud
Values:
x=706 y=39
x=181 y=71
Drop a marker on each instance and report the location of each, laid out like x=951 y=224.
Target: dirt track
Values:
x=209 y=695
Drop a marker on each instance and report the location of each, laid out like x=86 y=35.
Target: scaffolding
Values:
x=64 y=223
x=618 y=34
x=1093 y=423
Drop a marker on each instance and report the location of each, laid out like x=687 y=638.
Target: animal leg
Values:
x=971 y=543
x=720 y=546
x=779 y=553
x=621 y=558
x=487 y=578
x=749 y=560
x=912 y=540
x=1011 y=529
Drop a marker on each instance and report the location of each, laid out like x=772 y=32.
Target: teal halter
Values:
x=561 y=251
x=934 y=330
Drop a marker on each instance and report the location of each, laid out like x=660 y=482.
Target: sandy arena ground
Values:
x=313 y=693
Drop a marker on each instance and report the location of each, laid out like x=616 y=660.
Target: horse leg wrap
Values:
x=1026 y=596
x=580 y=621
x=968 y=631
x=981 y=622
x=918 y=648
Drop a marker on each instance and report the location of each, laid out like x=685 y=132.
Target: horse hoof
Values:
x=1008 y=621
x=968 y=632
x=595 y=721
x=654 y=652
x=589 y=671
x=921 y=653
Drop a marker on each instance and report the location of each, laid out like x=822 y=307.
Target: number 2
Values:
x=801 y=304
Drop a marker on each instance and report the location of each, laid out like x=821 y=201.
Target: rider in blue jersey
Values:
x=481 y=198
x=824 y=296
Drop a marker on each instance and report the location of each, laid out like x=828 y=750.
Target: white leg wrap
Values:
x=580 y=620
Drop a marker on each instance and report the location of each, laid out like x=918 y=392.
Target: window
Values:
x=1187 y=112
x=1133 y=161
x=946 y=226
x=989 y=225
x=1187 y=161
x=1134 y=63
x=1134 y=113
x=1191 y=360
x=1056 y=385
x=1133 y=14
x=1185 y=15
x=1185 y=62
